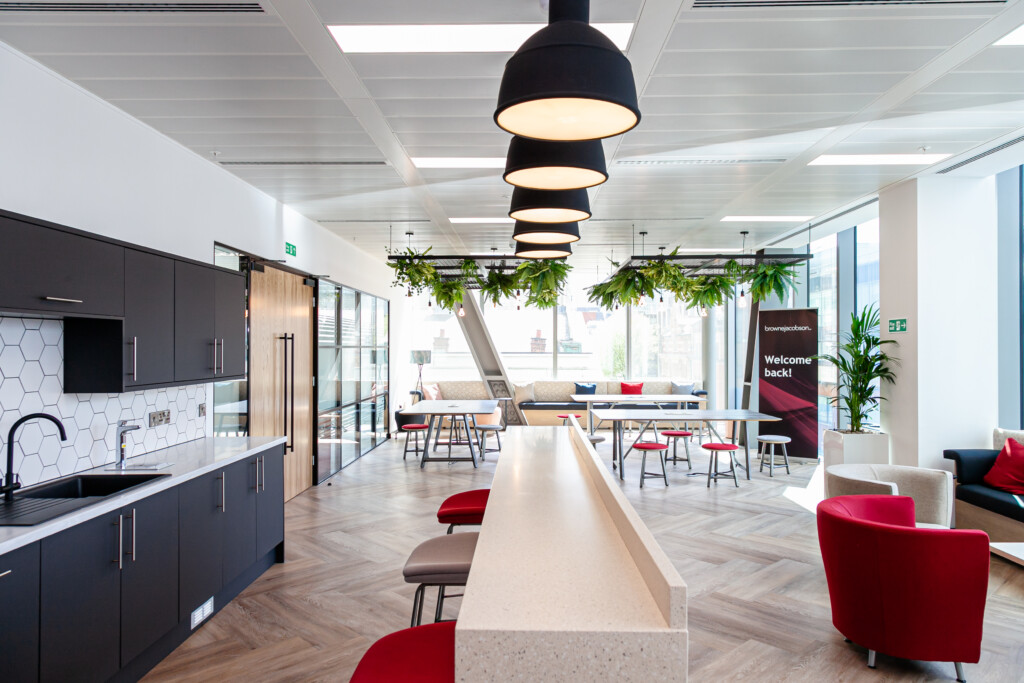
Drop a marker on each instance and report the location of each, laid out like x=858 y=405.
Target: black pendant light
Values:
x=546 y=233
x=549 y=206
x=568 y=81
x=555 y=165
x=542 y=251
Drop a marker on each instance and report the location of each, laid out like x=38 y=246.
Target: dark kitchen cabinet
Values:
x=230 y=324
x=195 y=353
x=149 y=580
x=239 y=526
x=19 y=627
x=270 y=501
x=148 y=319
x=51 y=271
x=80 y=602
x=200 y=541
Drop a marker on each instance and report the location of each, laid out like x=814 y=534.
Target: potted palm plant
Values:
x=860 y=362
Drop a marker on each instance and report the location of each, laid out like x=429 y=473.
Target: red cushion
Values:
x=631 y=388
x=1008 y=472
x=676 y=432
x=422 y=654
x=413 y=428
x=720 y=446
x=650 y=446
x=464 y=508
x=566 y=417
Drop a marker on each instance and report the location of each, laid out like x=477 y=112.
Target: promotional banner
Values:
x=788 y=376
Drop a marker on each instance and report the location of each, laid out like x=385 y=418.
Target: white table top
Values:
x=638 y=398
x=1014 y=552
x=452 y=407
x=634 y=415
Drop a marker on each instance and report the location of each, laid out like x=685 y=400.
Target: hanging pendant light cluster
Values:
x=566 y=88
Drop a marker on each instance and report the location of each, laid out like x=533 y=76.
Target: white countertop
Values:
x=189 y=460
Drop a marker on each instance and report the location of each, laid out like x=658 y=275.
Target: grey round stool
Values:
x=595 y=439
x=442 y=561
x=767 y=450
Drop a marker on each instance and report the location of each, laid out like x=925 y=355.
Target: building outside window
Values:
x=666 y=341
x=591 y=340
x=823 y=295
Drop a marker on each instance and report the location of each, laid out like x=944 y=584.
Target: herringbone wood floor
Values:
x=758 y=601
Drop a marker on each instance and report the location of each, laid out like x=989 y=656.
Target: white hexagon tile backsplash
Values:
x=31 y=381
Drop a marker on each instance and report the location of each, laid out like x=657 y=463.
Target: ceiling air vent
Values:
x=729 y=4
x=976 y=157
x=694 y=162
x=303 y=163
x=208 y=7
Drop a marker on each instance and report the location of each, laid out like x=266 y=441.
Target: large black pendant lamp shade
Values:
x=555 y=165
x=539 y=251
x=546 y=233
x=549 y=206
x=568 y=81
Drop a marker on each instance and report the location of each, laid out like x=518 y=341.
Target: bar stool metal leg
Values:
x=664 y=471
x=405 y=452
x=712 y=466
x=785 y=457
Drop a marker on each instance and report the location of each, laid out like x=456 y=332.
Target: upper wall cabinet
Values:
x=148 y=319
x=50 y=271
x=209 y=323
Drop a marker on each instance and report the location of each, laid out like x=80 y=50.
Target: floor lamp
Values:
x=420 y=358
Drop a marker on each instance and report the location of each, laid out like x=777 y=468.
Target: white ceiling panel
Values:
x=78 y=67
x=170 y=39
x=785 y=61
x=211 y=89
x=458 y=11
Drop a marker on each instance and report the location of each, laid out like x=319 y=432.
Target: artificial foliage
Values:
x=626 y=288
x=665 y=276
x=861 y=360
x=709 y=291
x=768 y=279
x=543 y=280
x=499 y=285
x=447 y=293
x=415 y=273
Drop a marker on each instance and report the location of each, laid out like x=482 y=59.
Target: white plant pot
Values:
x=871 y=448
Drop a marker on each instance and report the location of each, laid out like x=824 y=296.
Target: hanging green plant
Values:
x=544 y=280
x=709 y=291
x=447 y=293
x=665 y=276
x=414 y=273
x=470 y=272
x=767 y=279
x=498 y=285
x=624 y=288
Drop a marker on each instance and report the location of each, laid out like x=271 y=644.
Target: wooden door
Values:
x=281 y=304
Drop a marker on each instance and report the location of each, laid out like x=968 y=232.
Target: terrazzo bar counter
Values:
x=187 y=461
x=567 y=583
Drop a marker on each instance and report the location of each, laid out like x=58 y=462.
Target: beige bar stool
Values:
x=767 y=442
x=442 y=561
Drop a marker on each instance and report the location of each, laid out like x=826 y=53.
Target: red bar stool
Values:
x=425 y=654
x=565 y=418
x=675 y=435
x=645 y=447
x=466 y=508
x=415 y=430
x=715 y=449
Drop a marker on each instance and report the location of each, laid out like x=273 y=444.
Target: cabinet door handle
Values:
x=120 y=542
x=215 y=356
x=63 y=300
x=135 y=359
x=135 y=523
x=263 y=477
x=2 y=575
x=222 y=356
x=223 y=492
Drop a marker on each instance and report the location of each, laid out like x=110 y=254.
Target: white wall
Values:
x=938 y=270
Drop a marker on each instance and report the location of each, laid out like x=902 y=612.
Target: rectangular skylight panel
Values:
x=459 y=162
x=1014 y=37
x=766 y=219
x=428 y=38
x=878 y=159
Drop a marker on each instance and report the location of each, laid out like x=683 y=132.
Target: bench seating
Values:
x=978 y=505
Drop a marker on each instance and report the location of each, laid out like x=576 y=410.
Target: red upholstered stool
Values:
x=463 y=508
x=715 y=449
x=645 y=447
x=675 y=435
x=422 y=654
x=415 y=431
x=565 y=418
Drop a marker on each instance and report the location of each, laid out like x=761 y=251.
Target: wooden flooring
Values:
x=758 y=601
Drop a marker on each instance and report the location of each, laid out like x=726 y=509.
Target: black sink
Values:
x=48 y=501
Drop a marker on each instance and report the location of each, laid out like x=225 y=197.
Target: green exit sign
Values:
x=290 y=249
x=898 y=325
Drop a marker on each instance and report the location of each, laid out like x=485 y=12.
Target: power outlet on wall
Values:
x=202 y=410
x=159 y=417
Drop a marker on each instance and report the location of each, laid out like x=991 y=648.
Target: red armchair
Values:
x=905 y=592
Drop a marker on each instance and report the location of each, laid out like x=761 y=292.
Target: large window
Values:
x=439 y=332
x=665 y=341
x=591 y=340
x=352 y=375
x=823 y=294
x=867 y=265
x=524 y=337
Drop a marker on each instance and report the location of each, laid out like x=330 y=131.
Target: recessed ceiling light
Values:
x=501 y=219
x=458 y=162
x=398 y=38
x=878 y=159
x=1014 y=37
x=766 y=219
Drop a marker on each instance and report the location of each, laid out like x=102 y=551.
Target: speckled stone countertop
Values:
x=188 y=461
x=554 y=592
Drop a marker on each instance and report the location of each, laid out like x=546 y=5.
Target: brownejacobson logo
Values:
x=788 y=328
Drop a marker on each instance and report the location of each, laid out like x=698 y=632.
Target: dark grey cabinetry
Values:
x=148 y=319
x=230 y=324
x=270 y=501
x=195 y=309
x=19 y=628
x=200 y=541
x=240 y=486
x=50 y=271
x=80 y=602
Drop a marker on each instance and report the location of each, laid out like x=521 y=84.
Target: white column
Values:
x=938 y=271
x=709 y=345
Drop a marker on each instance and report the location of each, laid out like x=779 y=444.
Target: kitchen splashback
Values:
x=31 y=381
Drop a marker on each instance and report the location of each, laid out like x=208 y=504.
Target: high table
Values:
x=591 y=399
x=567 y=583
x=436 y=411
x=619 y=415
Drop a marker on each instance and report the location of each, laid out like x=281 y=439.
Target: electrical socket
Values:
x=159 y=417
x=202 y=410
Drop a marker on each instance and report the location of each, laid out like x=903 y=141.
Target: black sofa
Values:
x=573 y=405
x=978 y=505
